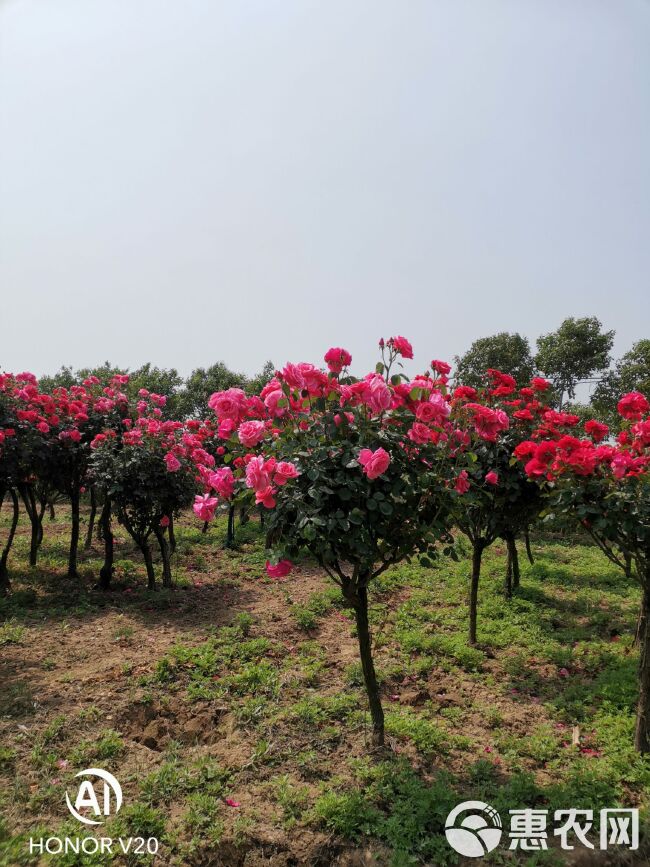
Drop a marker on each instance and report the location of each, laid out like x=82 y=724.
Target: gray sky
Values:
x=182 y=182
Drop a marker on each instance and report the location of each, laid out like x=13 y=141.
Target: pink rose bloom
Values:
x=426 y=412
x=200 y=456
x=265 y=497
x=462 y=483
x=223 y=481
x=402 y=346
x=337 y=358
x=488 y=422
x=228 y=404
x=280 y=570
x=292 y=375
x=419 y=434
x=226 y=428
x=251 y=433
x=172 y=462
x=620 y=464
x=283 y=472
x=441 y=366
x=378 y=396
x=205 y=506
x=272 y=399
x=43 y=427
x=492 y=478
x=374 y=463
x=164 y=521
x=313 y=378
x=435 y=408
x=257 y=474
x=633 y=405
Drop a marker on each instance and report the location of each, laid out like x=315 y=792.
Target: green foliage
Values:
x=334 y=511
x=577 y=350
x=11 y=633
x=395 y=806
x=140 y=486
x=509 y=353
x=630 y=373
x=201 y=383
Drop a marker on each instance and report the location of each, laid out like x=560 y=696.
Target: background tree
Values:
x=257 y=382
x=576 y=351
x=201 y=383
x=65 y=377
x=159 y=380
x=630 y=373
x=509 y=353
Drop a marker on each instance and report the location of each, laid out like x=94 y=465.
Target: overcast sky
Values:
x=183 y=182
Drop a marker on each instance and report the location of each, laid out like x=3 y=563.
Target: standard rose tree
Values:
x=605 y=486
x=148 y=473
x=12 y=448
x=495 y=498
x=357 y=474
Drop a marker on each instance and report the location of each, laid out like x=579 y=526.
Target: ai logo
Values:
x=111 y=796
x=475 y=834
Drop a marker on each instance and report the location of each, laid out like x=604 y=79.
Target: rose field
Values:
x=303 y=623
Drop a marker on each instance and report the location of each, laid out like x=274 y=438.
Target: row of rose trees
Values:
x=359 y=473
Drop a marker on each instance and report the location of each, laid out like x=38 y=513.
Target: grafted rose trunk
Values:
x=642 y=730
x=148 y=562
x=512 y=578
x=359 y=600
x=477 y=555
x=74 y=535
x=230 y=533
x=529 y=552
x=91 y=520
x=28 y=498
x=4 y=572
x=106 y=572
x=165 y=555
x=172 y=534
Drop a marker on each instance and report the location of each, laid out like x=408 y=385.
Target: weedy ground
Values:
x=231 y=708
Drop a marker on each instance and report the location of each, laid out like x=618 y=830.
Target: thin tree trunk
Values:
x=91 y=520
x=106 y=572
x=206 y=525
x=27 y=495
x=38 y=516
x=4 y=572
x=477 y=554
x=52 y=512
x=74 y=535
x=360 y=603
x=172 y=535
x=513 y=557
x=230 y=533
x=148 y=562
x=42 y=506
x=165 y=555
x=642 y=729
x=529 y=551
x=508 y=583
